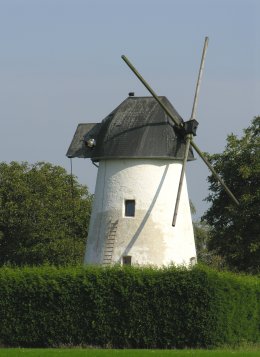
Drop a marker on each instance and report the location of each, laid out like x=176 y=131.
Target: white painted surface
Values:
x=149 y=236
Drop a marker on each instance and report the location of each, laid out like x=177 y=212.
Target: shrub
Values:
x=127 y=307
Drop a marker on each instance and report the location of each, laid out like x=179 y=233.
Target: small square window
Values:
x=129 y=208
x=127 y=260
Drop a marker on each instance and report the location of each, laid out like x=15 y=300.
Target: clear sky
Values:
x=60 y=65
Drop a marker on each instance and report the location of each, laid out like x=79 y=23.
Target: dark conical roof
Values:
x=137 y=128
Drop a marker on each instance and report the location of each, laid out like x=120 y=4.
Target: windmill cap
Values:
x=137 y=128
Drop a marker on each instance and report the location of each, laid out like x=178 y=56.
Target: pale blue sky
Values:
x=60 y=65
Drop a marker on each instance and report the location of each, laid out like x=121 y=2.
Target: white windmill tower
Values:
x=141 y=150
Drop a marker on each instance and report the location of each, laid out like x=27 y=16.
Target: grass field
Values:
x=13 y=352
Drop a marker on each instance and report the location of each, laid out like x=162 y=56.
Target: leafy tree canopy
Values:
x=235 y=231
x=44 y=214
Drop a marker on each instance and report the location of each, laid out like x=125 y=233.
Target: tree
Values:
x=44 y=214
x=202 y=236
x=235 y=233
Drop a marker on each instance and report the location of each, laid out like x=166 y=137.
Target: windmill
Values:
x=141 y=212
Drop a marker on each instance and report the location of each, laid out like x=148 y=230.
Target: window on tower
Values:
x=129 y=208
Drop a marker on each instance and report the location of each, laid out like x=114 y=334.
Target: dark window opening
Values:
x=129 y=208
x=127 y=260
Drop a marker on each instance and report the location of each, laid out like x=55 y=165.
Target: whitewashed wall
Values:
x=149 y=237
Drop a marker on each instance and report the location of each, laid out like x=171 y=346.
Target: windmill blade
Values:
x=138 y=75
x=214 y=173
x=180 y=126
x=176 y=208
x=190 y=136
x=195 y=101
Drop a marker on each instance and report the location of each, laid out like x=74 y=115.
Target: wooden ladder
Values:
x=110 y=242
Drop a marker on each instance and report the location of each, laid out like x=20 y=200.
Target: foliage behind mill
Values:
x=44 y=214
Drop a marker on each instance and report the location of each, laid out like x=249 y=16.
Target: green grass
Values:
x=126 y=353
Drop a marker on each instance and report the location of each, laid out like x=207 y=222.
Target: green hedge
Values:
x=123 y=308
